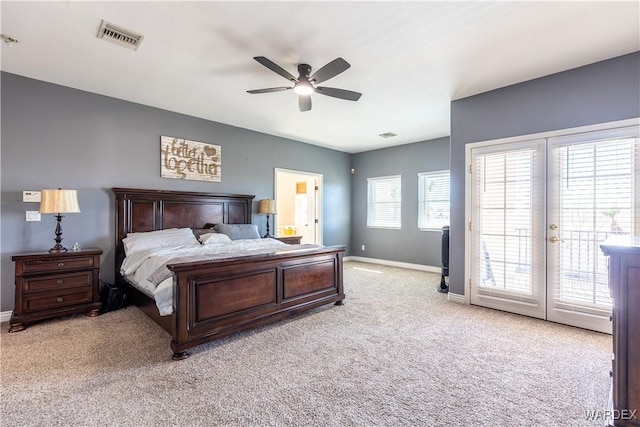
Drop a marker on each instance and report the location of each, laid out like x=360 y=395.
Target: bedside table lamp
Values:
x=58 y=202
x=267 y=207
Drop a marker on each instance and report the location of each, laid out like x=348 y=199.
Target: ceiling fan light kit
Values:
x=305 y=84
x=303 y=88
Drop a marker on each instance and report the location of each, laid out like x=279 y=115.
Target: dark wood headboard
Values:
x=149 y=210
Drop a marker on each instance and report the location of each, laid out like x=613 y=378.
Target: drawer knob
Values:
x=60 y=299
x=60 y=282
x=61 y=264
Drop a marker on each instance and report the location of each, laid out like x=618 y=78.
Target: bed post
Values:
x=182 y=310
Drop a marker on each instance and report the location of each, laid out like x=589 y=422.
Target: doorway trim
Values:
x=318 y=199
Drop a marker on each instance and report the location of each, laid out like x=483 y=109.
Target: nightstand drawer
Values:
x=61 y=264
x=57 y=281
x=37 y=302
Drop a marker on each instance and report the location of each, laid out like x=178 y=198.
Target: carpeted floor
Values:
x=397 y=353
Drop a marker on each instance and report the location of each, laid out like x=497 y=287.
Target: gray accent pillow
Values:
x=238 y=231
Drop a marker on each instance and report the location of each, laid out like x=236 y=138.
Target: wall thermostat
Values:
x=31 y=196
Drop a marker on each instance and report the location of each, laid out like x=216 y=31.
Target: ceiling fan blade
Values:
x=339 y=93
x=275 y=68
x=267 y=90
x=304 y=102
x=330 y=70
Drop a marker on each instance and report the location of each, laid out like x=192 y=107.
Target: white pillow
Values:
x=157 y=239
x=214 y=239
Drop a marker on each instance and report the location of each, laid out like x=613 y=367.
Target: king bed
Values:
x=215 y=296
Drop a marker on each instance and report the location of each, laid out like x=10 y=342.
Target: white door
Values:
x=540 y=209
x=592 y=194
x=305 y=208
x=507 y=228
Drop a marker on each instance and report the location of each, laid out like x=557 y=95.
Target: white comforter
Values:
x=138 y=266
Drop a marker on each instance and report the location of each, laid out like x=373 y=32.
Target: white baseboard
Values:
x=420 y=267
x=457 y=298
x=5 y=316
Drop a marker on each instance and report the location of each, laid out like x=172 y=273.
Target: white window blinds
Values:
x=433 y=200
x=384 y=201
x=507 y=210
x=594 y=197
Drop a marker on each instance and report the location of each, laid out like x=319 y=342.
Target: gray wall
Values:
x=53 y=136
x=598 y=93
x=408 y=244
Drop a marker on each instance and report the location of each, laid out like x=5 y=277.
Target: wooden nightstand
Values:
x=55 y=284
x=289 y=240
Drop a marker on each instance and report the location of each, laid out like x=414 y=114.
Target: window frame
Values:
x=423 y=202
x=384 y=222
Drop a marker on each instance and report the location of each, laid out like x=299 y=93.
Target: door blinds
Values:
x=508 y=214
x=594 y=196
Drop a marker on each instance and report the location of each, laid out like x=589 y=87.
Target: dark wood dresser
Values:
x=55 y=284
x=624 y=285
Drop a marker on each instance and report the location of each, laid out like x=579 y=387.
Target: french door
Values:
x=539 y=211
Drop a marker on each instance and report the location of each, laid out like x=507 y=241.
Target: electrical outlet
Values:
x=363 y=247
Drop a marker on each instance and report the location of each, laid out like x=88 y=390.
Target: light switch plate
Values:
x=31 y=196
x=33 y=216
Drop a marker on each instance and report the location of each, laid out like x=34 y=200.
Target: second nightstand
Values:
x=290 y=240
x=55 y=284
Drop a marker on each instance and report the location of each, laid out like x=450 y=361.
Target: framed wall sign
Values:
x=184 y=159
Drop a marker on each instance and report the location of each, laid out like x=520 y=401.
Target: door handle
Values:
x=554 y=239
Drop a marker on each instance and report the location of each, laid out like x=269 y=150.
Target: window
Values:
x=383 y=202
x=433 y=200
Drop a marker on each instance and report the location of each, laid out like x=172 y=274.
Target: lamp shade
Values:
x=267 y=206
x=59 y=201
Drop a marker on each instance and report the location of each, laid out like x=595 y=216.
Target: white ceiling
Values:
x=409 y=59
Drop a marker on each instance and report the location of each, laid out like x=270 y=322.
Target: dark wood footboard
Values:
x=215 y=299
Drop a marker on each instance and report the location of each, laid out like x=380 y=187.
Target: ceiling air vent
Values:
x=119 y=35
x=388 y=135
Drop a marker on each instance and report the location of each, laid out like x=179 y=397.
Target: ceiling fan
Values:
x=306 y=84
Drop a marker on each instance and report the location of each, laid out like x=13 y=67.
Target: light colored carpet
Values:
x=397 y=353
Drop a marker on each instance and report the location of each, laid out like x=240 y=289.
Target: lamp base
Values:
x=58 y=248
x=268 y=234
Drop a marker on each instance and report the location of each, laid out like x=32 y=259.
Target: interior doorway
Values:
x=298 y=197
